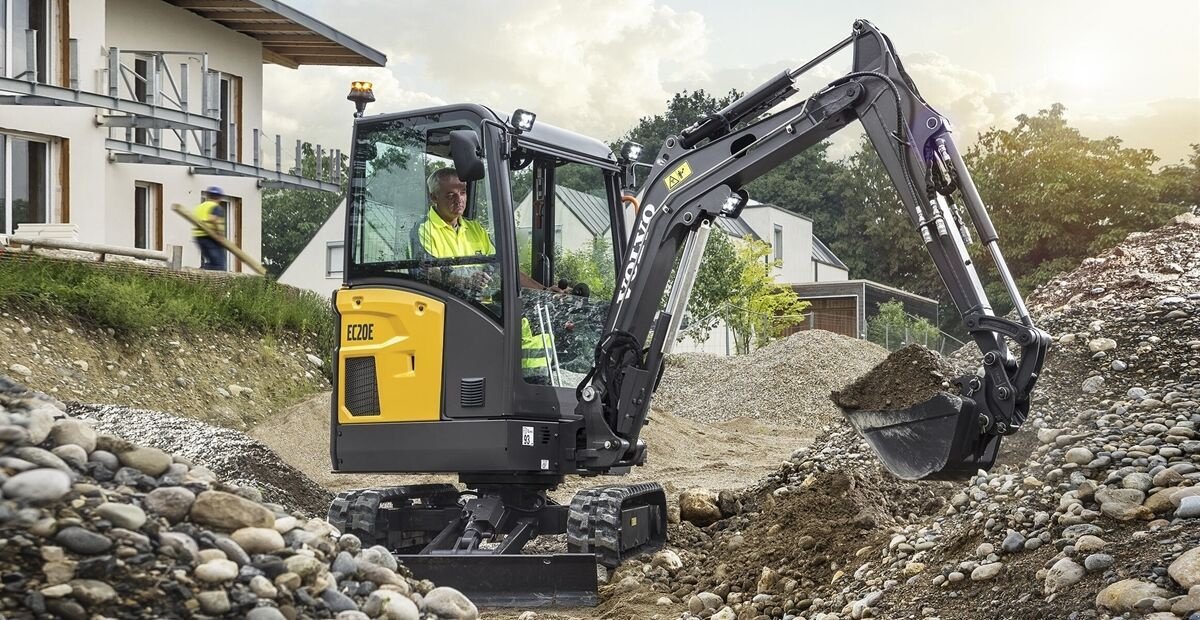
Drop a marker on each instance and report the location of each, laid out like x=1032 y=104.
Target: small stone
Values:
x=38 y=486
x=1097 y=345
x=1189 y=507
x=1064 y=574
x=1138 y=481
x=1091 y=385
x=73 y=431
x=1079 y=456
x=337 y=601
x=265 y=613
x=314 y=360
x=305 y=566
x=1118 y=365
x=1123 y=595
x=1013 y=542
x=215 y=602
x=262 y=587
x=216 y=571
x=1185 y=570
x=21 y=369
x=91 y=592
x=173 y=503
x=449 y=603
x=127 y=516
x=258 y=539
x=1089 y=544
x=150 y=461
x=1098 y=561
x=228 y=511
x=987 y=571
x=82 y=541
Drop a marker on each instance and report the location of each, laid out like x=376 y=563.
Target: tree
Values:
x=291 y=217
x=758 y=309
x=683 y=110
x=719 y=274
x=1058 y=197
x=893 y=328
x=591 y=265
x=1181 y=182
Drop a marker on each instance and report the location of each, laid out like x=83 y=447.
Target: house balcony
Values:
x=170 y=107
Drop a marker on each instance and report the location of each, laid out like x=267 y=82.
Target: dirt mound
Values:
x=230 y=454
x=786 y=382
x=908 y=376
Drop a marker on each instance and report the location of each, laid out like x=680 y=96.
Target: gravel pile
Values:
x=230 y=454
x=1095 y=515
x=93 y=526
x=786 y=382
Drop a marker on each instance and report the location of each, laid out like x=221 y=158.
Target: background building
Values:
x=112 y=110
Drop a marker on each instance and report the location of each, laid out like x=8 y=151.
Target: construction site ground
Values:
x=1091 y=496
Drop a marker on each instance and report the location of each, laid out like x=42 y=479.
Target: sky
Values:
x=1124 y=69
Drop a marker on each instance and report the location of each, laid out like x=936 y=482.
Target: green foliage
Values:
x=1181 y=182
x=136 y=303
x=894 y=328
x=683 y=110
x=719 y=274
x=1058 y=197
x=593 y=266
x=291 y=217
x=758 y=310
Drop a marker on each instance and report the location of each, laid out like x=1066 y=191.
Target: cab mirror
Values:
x=467 y=154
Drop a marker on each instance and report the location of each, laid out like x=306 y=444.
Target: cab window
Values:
x=412 y=217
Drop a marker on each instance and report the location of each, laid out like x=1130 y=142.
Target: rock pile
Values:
x=92 y=525
x=1093 y=515
x=231 y=455
x=786 y=382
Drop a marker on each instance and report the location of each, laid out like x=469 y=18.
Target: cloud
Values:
x=593 y=66
x=1169 y=126
x=310 y=104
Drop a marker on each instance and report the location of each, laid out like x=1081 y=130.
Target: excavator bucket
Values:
x=937 y=439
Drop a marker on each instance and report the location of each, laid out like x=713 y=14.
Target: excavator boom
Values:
x=700 y=175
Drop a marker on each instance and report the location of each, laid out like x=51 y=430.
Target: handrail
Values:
x=173 y=258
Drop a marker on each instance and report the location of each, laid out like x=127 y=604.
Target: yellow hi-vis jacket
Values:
x=204 y=212
x=533 y=351
x=441 y=240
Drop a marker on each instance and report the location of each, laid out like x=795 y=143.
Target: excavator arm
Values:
x=700 y=175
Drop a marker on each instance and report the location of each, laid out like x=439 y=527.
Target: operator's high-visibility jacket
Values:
x=440 y=240
x=534 y=362
x=204 y=212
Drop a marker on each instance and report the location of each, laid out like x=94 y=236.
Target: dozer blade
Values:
x=938 y=439
x=502 y=580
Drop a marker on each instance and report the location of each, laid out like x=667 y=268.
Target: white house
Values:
x=111 y=109
x=802 y=259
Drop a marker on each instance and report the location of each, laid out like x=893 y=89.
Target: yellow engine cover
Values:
x=389 y=356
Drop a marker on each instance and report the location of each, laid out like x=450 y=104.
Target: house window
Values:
x=24 y=182
x=147 y=216
x=141 y=92
x=25 y=39
x=334 y=256
x=778 y=243
x=229 y=104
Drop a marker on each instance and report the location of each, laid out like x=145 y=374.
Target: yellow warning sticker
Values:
x=675 y=178
x=632 y=521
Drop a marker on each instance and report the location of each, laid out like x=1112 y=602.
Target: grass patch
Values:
x=136 y=302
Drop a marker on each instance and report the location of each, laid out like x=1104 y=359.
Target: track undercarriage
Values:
x=472 y=540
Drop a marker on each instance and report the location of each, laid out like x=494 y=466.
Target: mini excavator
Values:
x=434 y=367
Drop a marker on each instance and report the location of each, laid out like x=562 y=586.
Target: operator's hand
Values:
x=480 y=279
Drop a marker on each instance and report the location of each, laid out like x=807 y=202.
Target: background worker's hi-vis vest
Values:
x=534 y=362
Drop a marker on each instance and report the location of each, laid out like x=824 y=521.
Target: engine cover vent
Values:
x=471 y=392
x=361 y=391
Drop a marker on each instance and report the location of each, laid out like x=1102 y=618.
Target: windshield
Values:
x=411 y=217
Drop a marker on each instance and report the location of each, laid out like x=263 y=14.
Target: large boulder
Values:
x=700 y=506
x=1121 y=596
x=230 y=512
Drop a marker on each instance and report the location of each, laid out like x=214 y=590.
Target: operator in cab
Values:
x=448 y=233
